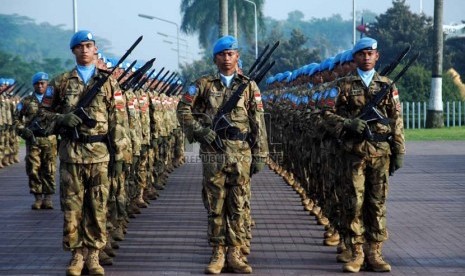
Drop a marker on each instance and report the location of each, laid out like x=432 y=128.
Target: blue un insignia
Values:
x=192 y=90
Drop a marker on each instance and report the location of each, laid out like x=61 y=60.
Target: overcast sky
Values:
x=118 y=20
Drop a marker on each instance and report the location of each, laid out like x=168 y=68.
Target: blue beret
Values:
x=2 y=81
x=366 y=43
x=225 y=43
x=80 y=36
x=331 y=63
x=337 y=58
x=325 y=64
x=269 y=80
x=10 y=81
x=346 y=56
x=39 y=76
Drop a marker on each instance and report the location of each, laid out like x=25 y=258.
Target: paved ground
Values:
x=426 y=218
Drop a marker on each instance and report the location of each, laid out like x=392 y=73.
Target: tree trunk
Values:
x=223 y=18
x=235 y=18
x=434 y=116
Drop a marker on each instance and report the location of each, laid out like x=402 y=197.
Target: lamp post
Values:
x=353 y=19
x=256 y=27
x=167 y=21
x=75 y=21
x=182 y=42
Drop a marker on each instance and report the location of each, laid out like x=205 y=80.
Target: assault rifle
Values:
x=220 y=124
x=93 y=91
x=388 y=69
x=135 y=78
x=370 y=112
x=167 y=82
x=154 y=79
x=127 y=70
x=144 y=80
x=160 y=81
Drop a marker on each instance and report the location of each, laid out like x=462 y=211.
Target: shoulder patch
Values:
x=19 y=106
x=192 y=90
x=49 y=92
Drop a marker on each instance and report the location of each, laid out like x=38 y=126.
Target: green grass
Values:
x=436 y=134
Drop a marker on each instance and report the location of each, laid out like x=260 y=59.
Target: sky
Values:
x=118 y=20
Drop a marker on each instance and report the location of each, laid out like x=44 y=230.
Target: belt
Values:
x=233 y=134
x=387 y=137
x=91 y=138
x=42 y=135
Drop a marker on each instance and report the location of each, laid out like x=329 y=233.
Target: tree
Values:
x=397 y=27
x=293 y=54
x=197 y=17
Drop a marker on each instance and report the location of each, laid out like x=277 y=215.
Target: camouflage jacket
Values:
x=352 y=95
x=108 y=108
x=200 y=104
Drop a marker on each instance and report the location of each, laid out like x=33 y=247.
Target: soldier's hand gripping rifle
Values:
x=370 y=112
x=220 y=124
x=94 y=90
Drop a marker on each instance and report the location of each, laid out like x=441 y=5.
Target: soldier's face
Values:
x=226 y=61
x=40 y=87
x=366 y=59
x=85 y=53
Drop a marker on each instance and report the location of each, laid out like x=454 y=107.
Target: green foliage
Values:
x=198 y=18
x=454 y=49
x=415 y=85
x=17 y=68
x=293 y=53
x=397 y=27
x=436 y=134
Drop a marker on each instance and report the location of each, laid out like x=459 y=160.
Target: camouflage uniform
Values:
x=141 y=167
x=40 y=154
x=367 y=162
x=84 y=163
x=2 y=127
x=226 y=174
x=135 y=135
x=7 y=130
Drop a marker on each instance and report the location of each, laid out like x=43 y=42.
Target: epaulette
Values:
x=383 y=79
x=243 y=77
x=104 y=72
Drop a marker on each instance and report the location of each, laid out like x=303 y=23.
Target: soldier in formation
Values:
x=229 y=158
x=105 y=168
x=41 y=146
x=9 y=143
x=342 y=177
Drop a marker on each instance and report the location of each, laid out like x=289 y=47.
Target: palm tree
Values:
x=202 y=17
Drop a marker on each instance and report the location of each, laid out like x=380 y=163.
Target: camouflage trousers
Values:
x=117 y=199
x=366 y=201
x=141 y=168
x=179 y=144
x=226 y=180
x=83 y=198
x=41 y=165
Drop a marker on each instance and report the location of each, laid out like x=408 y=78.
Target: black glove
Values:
x=258 y=163
x=398 y=161
x=26 y=134
x=356 y=125
x=205 y=135
x=69 y=120
x=117 y=168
